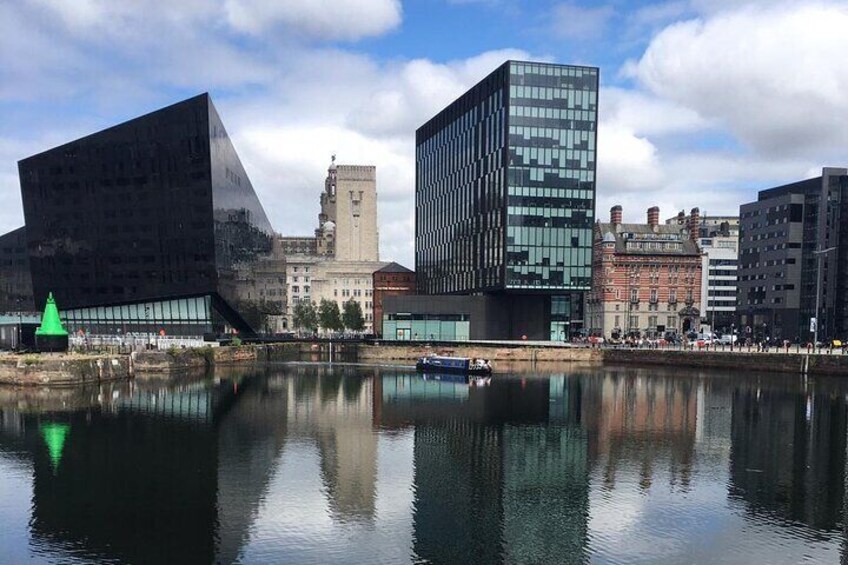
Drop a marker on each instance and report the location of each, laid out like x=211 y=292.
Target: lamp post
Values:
x=20 y=325
x=819 y=254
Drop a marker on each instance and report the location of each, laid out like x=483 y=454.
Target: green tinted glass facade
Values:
x=551 y=176
x=505 y=184
x=438 y=327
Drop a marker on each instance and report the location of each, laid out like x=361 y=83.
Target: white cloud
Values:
x=647 y=114
x=372 y=120
x=572 y=21
x=767 y=74
x=626 y=162
x=321 y=19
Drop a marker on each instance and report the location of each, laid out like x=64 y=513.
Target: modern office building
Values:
x=793 y=247
x=718 y=238
x=505 y=195
x=142 y=227
x=647 y=277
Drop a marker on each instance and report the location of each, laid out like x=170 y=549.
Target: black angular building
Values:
x=15 y=280
x=139 y=227
x=505 y=195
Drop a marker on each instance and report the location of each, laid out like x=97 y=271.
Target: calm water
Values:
x=310 y=464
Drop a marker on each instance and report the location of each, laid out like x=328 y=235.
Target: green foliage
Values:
x=352 y=316
x=207 y=354
x=236 y=341
x=305 y=316
x=173 y=350
x=329 y=316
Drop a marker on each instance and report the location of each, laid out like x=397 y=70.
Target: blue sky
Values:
x=702 y=101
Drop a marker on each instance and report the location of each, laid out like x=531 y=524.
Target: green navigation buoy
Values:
x=51 y=335
x=50 y=322
x=54 y=435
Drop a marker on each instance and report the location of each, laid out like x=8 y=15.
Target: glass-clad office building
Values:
x=505 y=189
x=140 y=227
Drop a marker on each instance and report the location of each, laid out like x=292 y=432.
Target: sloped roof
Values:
x=622 y=230
x=394 y=268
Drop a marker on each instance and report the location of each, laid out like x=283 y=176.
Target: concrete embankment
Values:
x=816 y=364
x=408 y=353
x=505 y=356
x=73 y=369
x=55 y=369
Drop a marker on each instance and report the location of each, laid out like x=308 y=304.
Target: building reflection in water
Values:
x=335 y=411
x=511 y=472
x=500 y=471
x=637 y=421
x=788 y=451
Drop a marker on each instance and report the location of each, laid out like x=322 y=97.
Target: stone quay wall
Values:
x=57 y=369
x=408 y=353
x=66 y=369
x=740 y=361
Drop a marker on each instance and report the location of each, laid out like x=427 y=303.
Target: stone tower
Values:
x=347 y=224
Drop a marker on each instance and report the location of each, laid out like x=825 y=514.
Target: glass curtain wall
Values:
x=551 y=177
x=179 y=317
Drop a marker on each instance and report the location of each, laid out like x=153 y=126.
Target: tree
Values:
x=304 y=315
x=352 y=316
x=329 y=316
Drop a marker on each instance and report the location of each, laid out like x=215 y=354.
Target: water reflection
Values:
x=309 y=463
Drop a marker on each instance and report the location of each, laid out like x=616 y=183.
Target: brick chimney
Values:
x=615 y=215
x=694 y=224
x=654 y=216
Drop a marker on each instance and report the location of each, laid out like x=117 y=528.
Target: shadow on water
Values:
x=317 y=463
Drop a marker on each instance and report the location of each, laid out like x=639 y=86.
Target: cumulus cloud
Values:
x=321 y=19
x=767 y=74
x=372 y=120
x=406 y=95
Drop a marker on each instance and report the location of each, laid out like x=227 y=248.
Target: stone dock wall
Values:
x=505 y=356
x=72 y=369
x=54 y=369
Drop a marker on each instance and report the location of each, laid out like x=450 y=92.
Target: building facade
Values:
x=15 y=278
x=793 y=247
x=647 y=277
x=505 y=194
x=347 y=225
x=143 y=227
x=338 y=262
x=391 y=280
x=719 y=240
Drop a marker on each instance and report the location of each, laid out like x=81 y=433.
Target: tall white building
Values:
x=719 y=240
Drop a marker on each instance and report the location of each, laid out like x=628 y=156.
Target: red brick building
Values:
x=393 y=279
x=646 y=278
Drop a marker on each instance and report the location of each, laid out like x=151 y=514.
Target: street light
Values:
x=20 y=325
x=819 y=253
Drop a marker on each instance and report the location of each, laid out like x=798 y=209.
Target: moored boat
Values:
x=461 y=365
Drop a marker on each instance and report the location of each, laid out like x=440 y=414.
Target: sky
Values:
x=702 y=102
